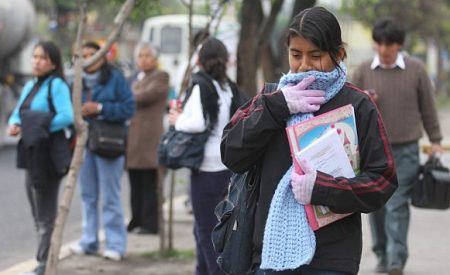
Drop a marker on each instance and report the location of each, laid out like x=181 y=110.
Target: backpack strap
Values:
x=51 y=106
x=208 y=95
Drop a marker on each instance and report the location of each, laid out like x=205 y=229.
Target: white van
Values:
x=170 y=33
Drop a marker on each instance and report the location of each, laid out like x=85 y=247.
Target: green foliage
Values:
x=422 y=19
x=171 y=254
x=443 y=101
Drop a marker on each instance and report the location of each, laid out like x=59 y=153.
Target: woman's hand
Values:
x=173 y=116
x=302 y=185
x=90 y=109
x=300 y=100
x=13 y=130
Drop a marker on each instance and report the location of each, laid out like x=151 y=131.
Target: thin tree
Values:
x=80 y=125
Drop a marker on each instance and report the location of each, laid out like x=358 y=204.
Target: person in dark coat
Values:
x=150 y=89
x=256 y=135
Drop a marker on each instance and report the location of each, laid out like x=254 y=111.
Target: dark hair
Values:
x=321 y=27
x=54 y=55
x=199 y=37
x=213 y=57
x=106 y=68
x=387 y=30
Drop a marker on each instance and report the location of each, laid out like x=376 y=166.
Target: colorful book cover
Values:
x=304 y=133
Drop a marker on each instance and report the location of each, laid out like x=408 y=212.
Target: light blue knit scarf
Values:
x=289 y=241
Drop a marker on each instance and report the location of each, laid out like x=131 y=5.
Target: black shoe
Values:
x=132 y=226
x=145 y=231
x=395 y=271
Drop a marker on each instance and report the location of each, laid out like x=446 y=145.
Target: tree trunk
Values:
x=246 y=58
x=255 y=49
x=161 y=222
x=80 y=127
x=264 y=47
x=299 y=5
x=77 y=159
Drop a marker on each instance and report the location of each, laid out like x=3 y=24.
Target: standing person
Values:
x=209 y=104
x=42 y=181
x=106 y=95
x=150 y=90
x=256 y=135
x=404 y=95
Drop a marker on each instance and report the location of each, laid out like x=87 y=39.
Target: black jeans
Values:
x=207 y=190
x=44 y=206
x=144 y=199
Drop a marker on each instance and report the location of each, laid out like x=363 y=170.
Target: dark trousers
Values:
x=44 y=206
x=143 y=199
x=207 y=190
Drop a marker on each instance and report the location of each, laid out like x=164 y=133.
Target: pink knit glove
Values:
x=302 y=185
x=300 y=100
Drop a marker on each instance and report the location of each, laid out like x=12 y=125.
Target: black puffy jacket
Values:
x=256 y=132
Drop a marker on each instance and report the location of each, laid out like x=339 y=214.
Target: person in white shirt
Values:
x=209 y=104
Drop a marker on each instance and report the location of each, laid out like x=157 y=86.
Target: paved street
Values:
x=16 y=224
x=18 y=236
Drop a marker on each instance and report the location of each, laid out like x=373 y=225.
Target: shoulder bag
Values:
x=179 y=149
x=432 y=189
x=232 y=237
x=107 y=139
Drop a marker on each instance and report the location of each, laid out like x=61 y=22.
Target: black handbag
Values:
x=106 y=138
x=432 y=189
x=60 y=153
x=232 y=237
x=179 y=149
x=35 y=126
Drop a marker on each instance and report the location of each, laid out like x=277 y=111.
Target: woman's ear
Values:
x=341 y=54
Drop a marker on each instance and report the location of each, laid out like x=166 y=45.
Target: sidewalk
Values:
x=137 y=261
x=428 y=241
x=429 y=244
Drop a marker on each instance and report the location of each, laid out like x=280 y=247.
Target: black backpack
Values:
x=232 y=237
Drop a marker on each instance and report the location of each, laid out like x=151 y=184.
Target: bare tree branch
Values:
x=119 y=21
x=185 y=3
x=214 y=19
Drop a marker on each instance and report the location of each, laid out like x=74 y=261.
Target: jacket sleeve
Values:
x=251 y=129
x=191 y=119
x=155 y=90
x=377 y=180
x=427 y=106
x=15 y=116
x=63 y=105
x=123 y=107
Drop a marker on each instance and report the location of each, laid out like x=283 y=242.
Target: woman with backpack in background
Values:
x=208 y=106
